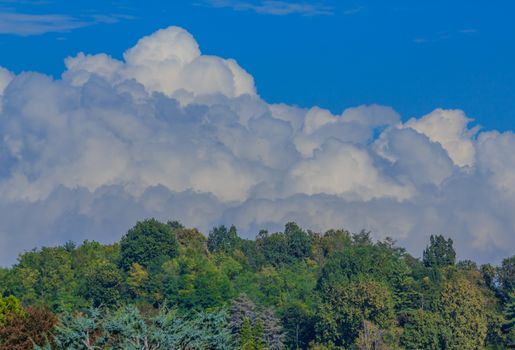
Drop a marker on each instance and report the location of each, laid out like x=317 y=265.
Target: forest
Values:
x=165 y=286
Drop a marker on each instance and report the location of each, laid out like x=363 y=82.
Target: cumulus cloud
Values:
x=171 y=133
x=5 y=79
x=449 y=129
x=168 y=61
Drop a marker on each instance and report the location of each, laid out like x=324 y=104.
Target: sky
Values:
x=396 y=118
x=411 y=55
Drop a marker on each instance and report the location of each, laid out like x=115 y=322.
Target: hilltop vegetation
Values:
x=164 y=286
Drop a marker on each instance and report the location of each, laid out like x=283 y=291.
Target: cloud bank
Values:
x=171 y=133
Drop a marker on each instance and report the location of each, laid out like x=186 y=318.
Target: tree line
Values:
x=165 y=286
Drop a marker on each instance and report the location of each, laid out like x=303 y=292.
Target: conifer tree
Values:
x=247 y=341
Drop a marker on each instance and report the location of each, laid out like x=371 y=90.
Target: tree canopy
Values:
x=166 y=286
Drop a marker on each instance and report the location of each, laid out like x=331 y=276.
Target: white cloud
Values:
x=5 y=79
x=171 y=133
x=168 y=61
x=449 y=128
x=345 y=170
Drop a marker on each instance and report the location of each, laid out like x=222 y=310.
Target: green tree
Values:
x=506 y=275
x=299 y=242
x=9 y=306
x=221 y=239
x=149 y=243
x=509 y=324
x=275 y=248
x=259 y=334
x=298 y=322
x=103 y=284
x=345 y=307
x=191 y=241
x=195 y=283
x=247 y=340
x=422 y=330
x=137 y=280
x=463 y=313
x=439 y=253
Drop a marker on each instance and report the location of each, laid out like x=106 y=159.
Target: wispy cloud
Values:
x=353 y=11
x=469 y=31
x=274 y=7
x=445 y=36
x=26 y=24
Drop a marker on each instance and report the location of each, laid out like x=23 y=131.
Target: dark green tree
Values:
x=509 y=324
x=275 y=249
x=221 y=239
x=299 y=242
x=103 y=284
x=259 y=335
x=149 y=244
x=439 y=253
x=298 y=322
x=506 y=275
x=422 y=330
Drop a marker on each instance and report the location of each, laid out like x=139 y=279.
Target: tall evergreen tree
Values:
x=439 y=253
x=247 y=340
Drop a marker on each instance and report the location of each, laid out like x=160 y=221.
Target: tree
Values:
x=272 y=330
x=136 y=280
x=509 y=324
x=298 y=322
x=127 y=328
x=191 y=241
x=370 y=337
x=275 y=249
x=247 y=341
x=195 y=283
x=78 y=331
x=439 y=253
x=241 y=308
x=463 y=313
x=259 y=335
x=149 y=244
x=346 y=306
x=489 y=274
x=222 y=240
x=299 y=242
x=23 y=331
x=47 y=277
x=9 y=306
x=103 y=283
x=422 y=330
x=506 y=273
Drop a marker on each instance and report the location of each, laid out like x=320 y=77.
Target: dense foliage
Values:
x=165 y=286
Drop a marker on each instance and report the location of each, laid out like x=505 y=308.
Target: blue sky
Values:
x=411 y=55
